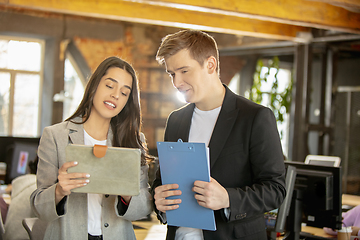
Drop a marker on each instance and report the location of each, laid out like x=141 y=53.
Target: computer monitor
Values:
x=323 y=160
x=284 y=209
x=18 y=156
x=315 y=200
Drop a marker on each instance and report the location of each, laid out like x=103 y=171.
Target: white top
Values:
x=202 y=126
x=94 y=199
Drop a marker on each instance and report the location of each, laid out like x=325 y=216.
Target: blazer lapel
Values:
x=76 y=132
x=223 y=126
x=184 y=127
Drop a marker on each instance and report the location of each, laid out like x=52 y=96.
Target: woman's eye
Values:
x=109 y=86
x=124 y=94
x=184 y=71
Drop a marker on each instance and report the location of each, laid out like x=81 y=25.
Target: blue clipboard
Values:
x=184 y=163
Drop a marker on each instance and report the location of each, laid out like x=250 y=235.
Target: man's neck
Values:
x=214 y=99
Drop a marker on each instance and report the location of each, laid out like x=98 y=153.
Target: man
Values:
x=246 y=160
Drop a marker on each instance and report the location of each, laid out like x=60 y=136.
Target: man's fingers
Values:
x=161 y=195
x=167 y=204
x=166 y=187
x=200 y=184
x=171 y=193
x=165 y=191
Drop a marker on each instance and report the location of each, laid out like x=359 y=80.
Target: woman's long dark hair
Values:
x=127 y=124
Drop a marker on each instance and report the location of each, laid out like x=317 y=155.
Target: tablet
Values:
x=114 y=171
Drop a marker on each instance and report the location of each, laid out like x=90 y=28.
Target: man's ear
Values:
x=211 y=64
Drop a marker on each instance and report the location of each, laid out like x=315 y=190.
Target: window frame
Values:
x=13 y=73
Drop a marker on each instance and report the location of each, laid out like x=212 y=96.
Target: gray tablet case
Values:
x=113 y=170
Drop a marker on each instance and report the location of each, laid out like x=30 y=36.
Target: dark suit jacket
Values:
x=246 y=159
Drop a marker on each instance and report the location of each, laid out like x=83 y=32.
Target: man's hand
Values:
x=164 y=191
x=68 y=181
x=211 y=194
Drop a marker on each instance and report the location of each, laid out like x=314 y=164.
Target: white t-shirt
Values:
x=94 y=200
x=202 y=126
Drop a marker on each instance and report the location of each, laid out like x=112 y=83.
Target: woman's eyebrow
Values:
x=127 y=86
x=115 y=81
x=112 y=79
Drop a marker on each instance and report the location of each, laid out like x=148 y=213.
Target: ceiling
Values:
x=294 y=20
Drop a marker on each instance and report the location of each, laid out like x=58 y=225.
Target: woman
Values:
x=109 y=113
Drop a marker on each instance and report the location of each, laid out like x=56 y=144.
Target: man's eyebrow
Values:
x=180 y=68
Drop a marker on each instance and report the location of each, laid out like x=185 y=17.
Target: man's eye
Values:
x=184 y=71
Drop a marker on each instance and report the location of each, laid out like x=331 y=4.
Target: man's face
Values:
x=188 y=76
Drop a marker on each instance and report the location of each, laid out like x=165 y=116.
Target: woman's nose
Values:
x=115 y=94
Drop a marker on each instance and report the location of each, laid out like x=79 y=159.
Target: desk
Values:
x=351 y=200
x=314 y=231
x=347 y=199
x=317 y=232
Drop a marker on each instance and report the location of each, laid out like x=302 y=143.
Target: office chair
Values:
x=35 y=228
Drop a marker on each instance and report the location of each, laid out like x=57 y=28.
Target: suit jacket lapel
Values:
x=184 y=127
x=76 y=132
x=223 y=126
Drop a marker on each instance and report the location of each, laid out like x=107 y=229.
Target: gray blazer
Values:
x=70 y=221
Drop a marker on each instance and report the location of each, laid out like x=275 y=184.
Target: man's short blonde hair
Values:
x=200 y=45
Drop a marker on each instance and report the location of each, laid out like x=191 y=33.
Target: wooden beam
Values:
x=322 y=14
x=143 y=12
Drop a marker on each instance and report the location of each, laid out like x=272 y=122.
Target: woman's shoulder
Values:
x=64 y=125
x=57 y=126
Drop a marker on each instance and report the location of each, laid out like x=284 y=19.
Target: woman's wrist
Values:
x=58 y=194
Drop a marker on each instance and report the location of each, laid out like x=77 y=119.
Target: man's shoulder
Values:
x=183 y=110
x=241 y=102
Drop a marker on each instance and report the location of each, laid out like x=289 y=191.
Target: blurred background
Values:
x=301 y=58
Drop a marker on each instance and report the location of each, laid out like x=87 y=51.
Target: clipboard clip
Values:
x=99 y=150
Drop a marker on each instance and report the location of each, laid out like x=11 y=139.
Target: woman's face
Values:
x=112 y=93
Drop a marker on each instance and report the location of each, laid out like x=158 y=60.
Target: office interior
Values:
x=316 y=44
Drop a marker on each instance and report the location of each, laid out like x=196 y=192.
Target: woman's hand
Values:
x=68 y=181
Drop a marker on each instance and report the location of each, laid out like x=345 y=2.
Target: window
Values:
x=21 y=66
x=283 y=81
x=73 y=87
x=274 y=89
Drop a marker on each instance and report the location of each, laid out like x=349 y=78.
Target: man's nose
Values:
x=177 y=81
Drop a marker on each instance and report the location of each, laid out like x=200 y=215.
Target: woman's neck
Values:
x=97 y=128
